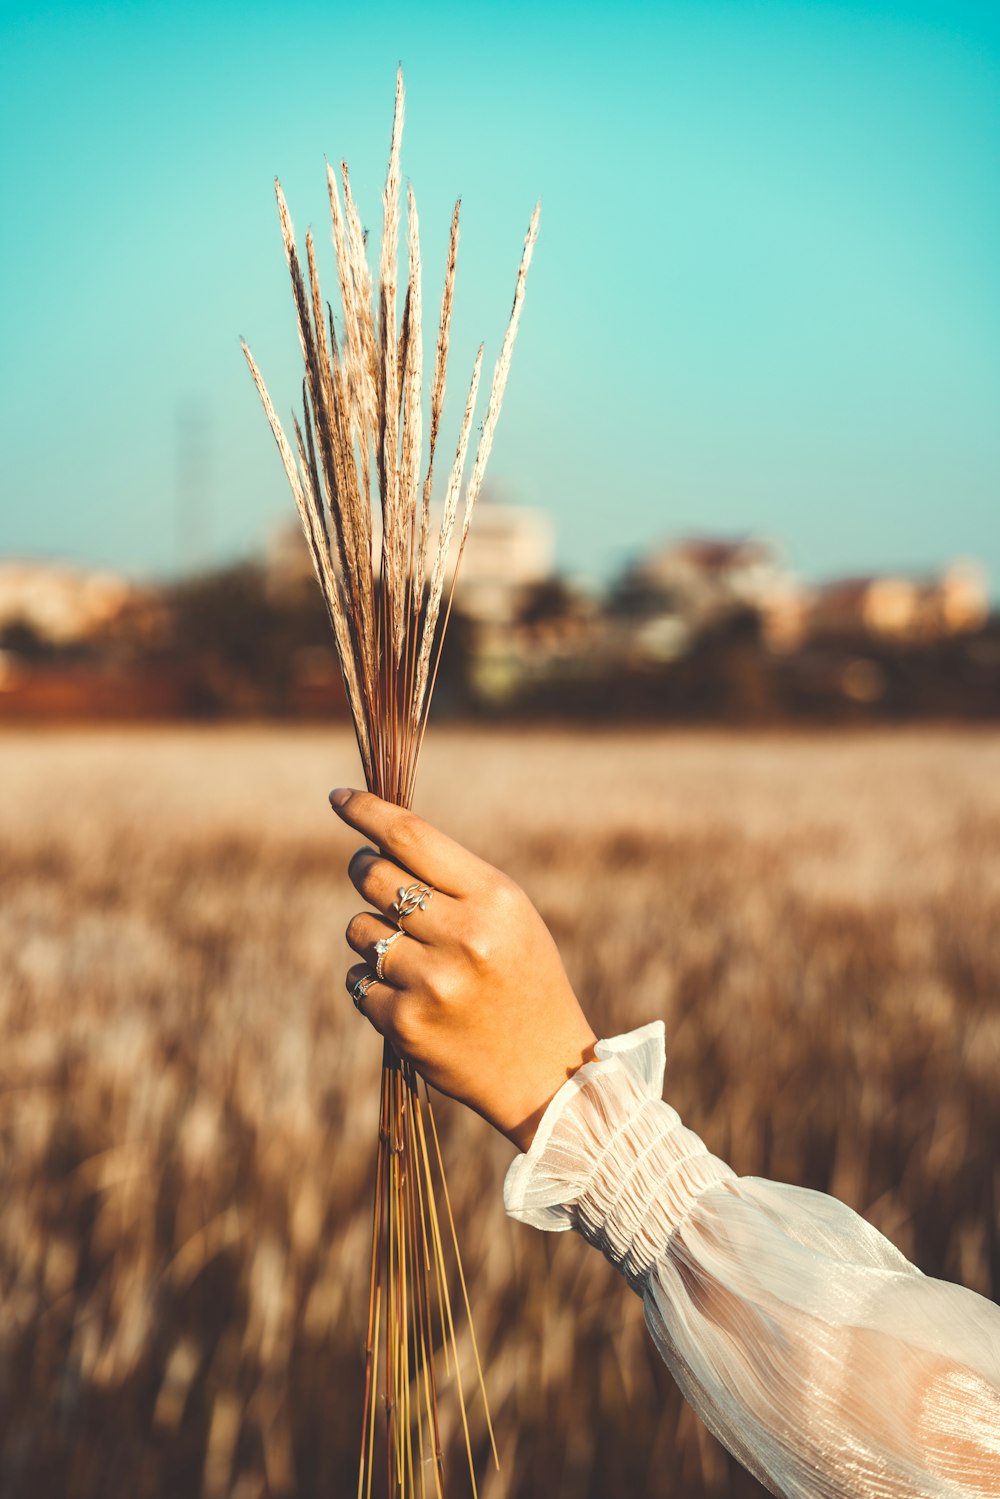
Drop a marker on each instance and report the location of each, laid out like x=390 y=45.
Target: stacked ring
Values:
x=382 y=946
x=361 y=988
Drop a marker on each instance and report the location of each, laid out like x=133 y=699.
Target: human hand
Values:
x=475 y=993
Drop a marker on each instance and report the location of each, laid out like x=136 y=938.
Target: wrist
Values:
x=521 y=1130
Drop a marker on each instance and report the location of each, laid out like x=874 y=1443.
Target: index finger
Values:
x=428 y=855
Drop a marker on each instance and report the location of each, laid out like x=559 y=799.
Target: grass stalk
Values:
x=359 y=458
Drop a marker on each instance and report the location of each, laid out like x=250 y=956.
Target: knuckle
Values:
x=479 y=943
x=407 y=1025
x=503 y=896
x=446 y=985
x=404 y=831
x=486 y=929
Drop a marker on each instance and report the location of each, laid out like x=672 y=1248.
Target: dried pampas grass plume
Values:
x=357 y=460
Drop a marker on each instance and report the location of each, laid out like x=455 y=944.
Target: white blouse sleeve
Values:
x=824 y=1361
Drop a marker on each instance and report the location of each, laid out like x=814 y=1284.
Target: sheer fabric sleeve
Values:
x=816 y=1353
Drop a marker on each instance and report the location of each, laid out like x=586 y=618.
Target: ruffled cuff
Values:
x=612 y=1160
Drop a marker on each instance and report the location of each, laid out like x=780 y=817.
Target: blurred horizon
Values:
x=764 y=299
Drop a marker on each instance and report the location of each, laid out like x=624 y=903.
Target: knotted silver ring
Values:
x=382 y=946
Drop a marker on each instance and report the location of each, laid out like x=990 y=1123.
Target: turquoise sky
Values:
x=766 y=294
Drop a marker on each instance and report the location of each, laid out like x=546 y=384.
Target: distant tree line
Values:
x=229 y=643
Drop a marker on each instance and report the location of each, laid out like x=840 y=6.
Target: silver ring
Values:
x=361 y=988
x=382 y=946
x=412 y=898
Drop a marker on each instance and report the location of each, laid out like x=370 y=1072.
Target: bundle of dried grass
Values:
x=358 y=460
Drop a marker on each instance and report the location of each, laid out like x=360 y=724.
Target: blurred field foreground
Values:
x=187 y=1097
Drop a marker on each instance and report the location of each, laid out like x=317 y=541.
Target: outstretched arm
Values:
x=810 y=1346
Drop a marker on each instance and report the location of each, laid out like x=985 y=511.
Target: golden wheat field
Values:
x=188 y=1098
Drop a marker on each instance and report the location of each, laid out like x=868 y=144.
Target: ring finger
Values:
x=401 y=963
x=376 y=1001
x=380 y=881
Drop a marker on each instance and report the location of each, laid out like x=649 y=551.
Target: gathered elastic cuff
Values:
x=612 y=1160
x=541 y=1185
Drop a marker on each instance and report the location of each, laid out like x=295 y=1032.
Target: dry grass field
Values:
x=188 y=1098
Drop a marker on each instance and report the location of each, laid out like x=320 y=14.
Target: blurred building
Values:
x=697 y=584
x=76 y=643
x=704 y=575
x=895 y=607
x=287 y=564
x=61 y=604
x=510 y=549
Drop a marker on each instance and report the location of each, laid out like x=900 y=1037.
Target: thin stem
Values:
x=362 y=418
x=461 y=1275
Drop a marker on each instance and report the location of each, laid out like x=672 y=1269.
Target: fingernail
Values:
x=340 y=797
